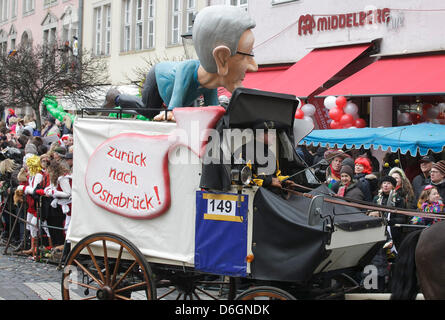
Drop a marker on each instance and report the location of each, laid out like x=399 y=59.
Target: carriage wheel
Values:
x=265 y=293
x=90 y=277
x=189 y=287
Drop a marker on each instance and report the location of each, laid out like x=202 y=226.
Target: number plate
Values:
x=222 y=207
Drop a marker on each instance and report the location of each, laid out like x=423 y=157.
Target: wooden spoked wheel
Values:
x=118 y=272
x=265 y=293
x=194 y=287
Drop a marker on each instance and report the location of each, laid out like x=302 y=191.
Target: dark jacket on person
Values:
x=440 y=188
x=393 y=218
x=419 y=182
x=353 y=192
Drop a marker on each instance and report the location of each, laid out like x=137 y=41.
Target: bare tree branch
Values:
x=30 y=74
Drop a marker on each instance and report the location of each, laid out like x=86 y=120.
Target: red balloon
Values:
x=336 y=113
x=299 y=114
x=347 y=119
x=335 y=125
x=341 y=102
x=415 y=117
x=360 y=123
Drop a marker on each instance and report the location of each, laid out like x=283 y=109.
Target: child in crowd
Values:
x=429 y=201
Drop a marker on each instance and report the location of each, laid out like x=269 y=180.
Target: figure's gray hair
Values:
x=219 y=25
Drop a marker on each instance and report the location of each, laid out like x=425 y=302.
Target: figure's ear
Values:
x=222 y=55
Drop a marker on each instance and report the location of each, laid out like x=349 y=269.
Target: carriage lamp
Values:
x=243 y=176
x=187 y=43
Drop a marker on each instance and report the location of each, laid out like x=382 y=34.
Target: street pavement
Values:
x=22 y=278
x=25 y=279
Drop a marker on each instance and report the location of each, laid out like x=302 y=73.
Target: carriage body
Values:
x=185 y=219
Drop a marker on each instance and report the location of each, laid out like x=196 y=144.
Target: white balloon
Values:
x=403 y=118
x=308 y=119
x=351 y=108
x=330 y=102
x=308 y=109
x=441 y=107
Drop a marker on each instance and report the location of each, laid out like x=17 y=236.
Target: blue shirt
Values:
x=178 y=84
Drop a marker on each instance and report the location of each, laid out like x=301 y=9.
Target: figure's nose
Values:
x=253 y=66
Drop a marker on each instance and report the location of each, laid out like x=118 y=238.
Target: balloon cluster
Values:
x=305 y=112
x=434 y=114
x=55 y=109
x=343 y=113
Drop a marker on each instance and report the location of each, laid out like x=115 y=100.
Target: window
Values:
x=102 y=30
x=151 y=24
x=182 y=14
x=138 y=25
x=3 y=10
x=98 y=31
x=13 y=9
x=281 y=1
x=28 y=7
x=108 y=30
x=127 y=25
x=3 y=41
x=239 y=3
x=50 y=29
x=191 y=7
x=139 y=41
x=49 y=3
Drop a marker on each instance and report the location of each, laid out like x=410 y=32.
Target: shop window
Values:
x=414 y=110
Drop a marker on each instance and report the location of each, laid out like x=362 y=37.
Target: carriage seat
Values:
x=356 y=221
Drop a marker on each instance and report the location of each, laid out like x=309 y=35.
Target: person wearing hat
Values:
x=266 y=169
x=348 y=186
x=423 y=179
x=334 y=158
x=404 y=187
x=438 y=177
x=387 y=196
x=69 y=159
x=51 y=128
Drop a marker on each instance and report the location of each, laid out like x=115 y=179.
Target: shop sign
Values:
x=308 y=24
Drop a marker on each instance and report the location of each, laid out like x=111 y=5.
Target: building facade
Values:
x=35 y=22
x=132 y=33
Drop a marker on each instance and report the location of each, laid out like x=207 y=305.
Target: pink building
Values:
x=38 y=22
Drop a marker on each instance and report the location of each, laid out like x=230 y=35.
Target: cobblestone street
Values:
x=25 y=279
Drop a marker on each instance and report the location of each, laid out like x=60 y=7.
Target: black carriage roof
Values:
x=250 y=108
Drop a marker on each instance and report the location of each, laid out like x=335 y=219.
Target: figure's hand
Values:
x=289 y=184
x=161 y=116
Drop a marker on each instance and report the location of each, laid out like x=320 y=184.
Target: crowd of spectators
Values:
x=358 y=175
x=35 y=183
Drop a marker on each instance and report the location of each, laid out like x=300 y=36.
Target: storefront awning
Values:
x=314 y=69
x=410 y=75
x=415 y=138
x=258 y=80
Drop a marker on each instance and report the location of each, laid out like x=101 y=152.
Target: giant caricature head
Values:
x=223 y=40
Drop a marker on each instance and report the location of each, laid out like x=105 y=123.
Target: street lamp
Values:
x=189 y=48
